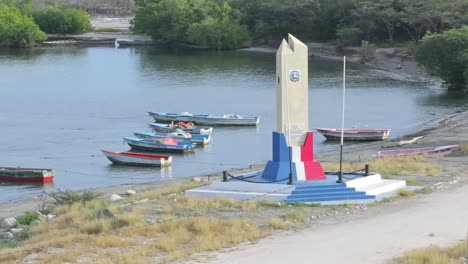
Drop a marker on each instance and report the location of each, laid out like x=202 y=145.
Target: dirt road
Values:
x=439 y=218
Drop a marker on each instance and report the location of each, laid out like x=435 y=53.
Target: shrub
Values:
x=60 y=20
x=68 y=197
x=28 y=218
x=348 y=36
x=213 y=33
x=18 y=30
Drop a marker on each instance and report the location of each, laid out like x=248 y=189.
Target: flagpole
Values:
x=340 y=173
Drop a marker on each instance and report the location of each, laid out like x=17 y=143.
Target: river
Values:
x=60 y=106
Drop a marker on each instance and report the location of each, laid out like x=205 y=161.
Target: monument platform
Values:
x=356 y=189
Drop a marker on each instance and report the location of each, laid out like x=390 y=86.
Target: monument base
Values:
x=303 y=166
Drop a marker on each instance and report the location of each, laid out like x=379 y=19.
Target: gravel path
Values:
x=439 y=219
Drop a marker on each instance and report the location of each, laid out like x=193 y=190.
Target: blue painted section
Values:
x=278 y=168
x=325 y=192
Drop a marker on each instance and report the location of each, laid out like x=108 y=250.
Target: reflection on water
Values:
x=75 y=101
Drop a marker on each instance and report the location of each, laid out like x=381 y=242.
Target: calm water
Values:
x=60 y=106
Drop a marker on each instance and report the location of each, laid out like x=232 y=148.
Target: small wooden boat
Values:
x=169 y=128
x=177 y=135
x=159 y=145
x=416 y=151
x=354 y=134
x=26 y=174
x=205 y=119
x=137 y=159
x=132 y=42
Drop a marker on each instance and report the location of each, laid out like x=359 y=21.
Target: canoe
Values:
x=159 y=145
x=26 y=174
x=137 y=159
x=169 y=128
x=205 y=119
x=354 y=134
x=416 y=151
x=180 y=136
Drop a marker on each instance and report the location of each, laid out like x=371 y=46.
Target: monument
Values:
x=292 y=142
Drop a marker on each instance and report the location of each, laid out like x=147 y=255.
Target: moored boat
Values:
x=206 y=119
x=169 y=128
x=18 y=174
x=159 y=145
x=416 y=151
x=137 y=159
x=177 y=135
x=354 y=134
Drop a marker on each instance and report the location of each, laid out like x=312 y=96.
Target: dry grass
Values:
x=405 y=192
x=463 y=148
x=157 y=226
x=394 y=166
x=435 y=255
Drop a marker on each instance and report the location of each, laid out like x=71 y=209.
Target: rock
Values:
x=15 y=231
x=6 y=237
x=196 y=179
x=35 y=222
x=8 y=223
x=399 y=66
x=171 y=195
x=115 y=197
x=131 y=192
x=50 y=216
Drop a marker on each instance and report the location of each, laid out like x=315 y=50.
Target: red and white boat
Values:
x=18 y=174
x=354 y=134
x=137 y=159
x=416 y=151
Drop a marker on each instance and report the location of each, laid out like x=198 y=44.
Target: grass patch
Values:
x=297 y=215
x=28 y=218
x=99 y=30
x=394 y=166
x=434 y=255
x=278 y=223
x=463 y=148
x=405 y=192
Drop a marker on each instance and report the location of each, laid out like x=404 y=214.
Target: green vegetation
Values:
x=446 y=54
x=435 y=255
x=28 y=218
x=107 y=30
x=60 y=20
x=202 y=22
x=18 y=29
x=463 y=148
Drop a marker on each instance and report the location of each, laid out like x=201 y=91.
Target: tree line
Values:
x=230 y=24
x=21 y=25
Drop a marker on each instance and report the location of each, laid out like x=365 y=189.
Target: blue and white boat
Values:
x=169 y=128
x=159 y=145
x=180 y=136
x=205 y=119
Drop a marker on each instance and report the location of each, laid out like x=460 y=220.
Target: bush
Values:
x=68 y=197
x=60 y=20
x=348 y=36
x=217 y=34
x=446 y=54
x=367 y=51
x=28 y=218
x=18 y=30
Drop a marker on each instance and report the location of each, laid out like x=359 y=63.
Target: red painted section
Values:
x=35 y=179
x=137 y=154
x=313 y=169
x=307 y=150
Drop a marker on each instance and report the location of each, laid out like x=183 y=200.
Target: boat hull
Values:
x=26 y=175
x=148 y=145
x=199 y=139
x=137 y=159
x=355 y=134
x=206 y=119
x=416 y=151
x=164 y=128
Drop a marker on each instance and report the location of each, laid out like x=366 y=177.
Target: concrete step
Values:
x=344 y=194
x=319 y=186
x=383 y=187
x=331 y=198
x=323 y=190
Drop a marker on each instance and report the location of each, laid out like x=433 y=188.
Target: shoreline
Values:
x=352 y=153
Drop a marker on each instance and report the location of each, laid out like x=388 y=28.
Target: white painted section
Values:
x=300 y=171
x=384 y=187
x=296 y=154
x=251 y=187
x=364 y=181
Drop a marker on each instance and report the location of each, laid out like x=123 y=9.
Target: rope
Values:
x=244 y=179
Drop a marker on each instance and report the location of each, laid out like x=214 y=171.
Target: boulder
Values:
x=115 y=197
x=35 y=222
x=8 y=223
x=131 y=192
x=15 y=231
x=6 y=237
x=196 y=179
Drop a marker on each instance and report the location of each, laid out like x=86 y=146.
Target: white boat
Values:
x=159 y=145
x=354 y=134
x=137 y=159
x=205 y=119
x=169 y=128
x=179 y=135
